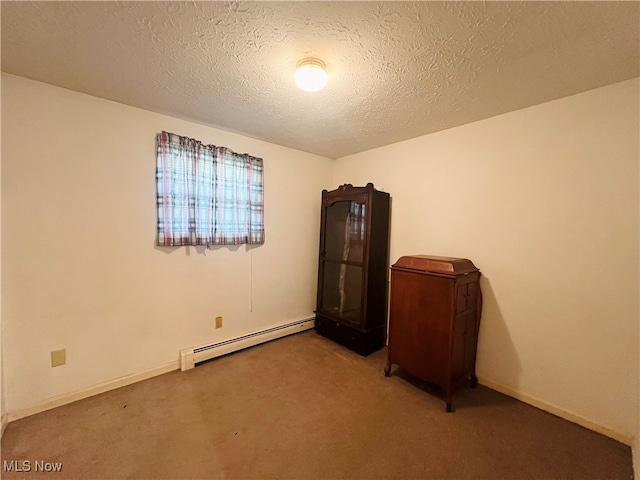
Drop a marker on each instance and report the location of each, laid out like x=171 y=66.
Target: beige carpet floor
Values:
x=303 y=407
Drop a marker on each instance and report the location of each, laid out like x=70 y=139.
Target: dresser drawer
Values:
x=466 y=297
x=363 y=342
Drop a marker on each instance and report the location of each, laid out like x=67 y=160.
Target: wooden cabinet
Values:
x=434 y=320
x=353 y=264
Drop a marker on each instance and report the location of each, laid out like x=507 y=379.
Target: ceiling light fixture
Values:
x=310 y=75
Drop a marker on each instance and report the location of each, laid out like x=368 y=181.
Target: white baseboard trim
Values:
x=74 y=396
x=558 y=412
x=4 y=419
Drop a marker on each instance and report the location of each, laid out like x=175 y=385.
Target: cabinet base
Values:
x=447 y=391
x=362 y=342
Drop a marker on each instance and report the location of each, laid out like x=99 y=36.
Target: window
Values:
x=207 y=195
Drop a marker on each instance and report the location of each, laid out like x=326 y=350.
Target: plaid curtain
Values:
x=207 y=195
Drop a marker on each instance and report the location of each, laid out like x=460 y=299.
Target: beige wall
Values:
x=545 y=202
x=636 y=443
x=3 y=405
x=80 y=268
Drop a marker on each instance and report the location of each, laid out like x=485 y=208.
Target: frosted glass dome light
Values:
x=310 y=75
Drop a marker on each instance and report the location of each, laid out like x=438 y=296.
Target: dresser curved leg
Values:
x=387 y=369
x=448 y=398
x=474 y=380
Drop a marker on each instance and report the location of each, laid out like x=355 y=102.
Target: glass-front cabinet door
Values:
x=342 y=260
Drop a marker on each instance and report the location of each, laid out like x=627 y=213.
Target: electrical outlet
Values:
x=58 y=357
x=218 y=322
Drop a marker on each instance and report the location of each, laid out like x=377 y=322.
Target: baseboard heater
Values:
x=190 y=357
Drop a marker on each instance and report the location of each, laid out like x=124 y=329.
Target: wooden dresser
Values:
x=434 y=320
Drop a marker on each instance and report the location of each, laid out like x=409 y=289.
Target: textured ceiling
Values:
x=397 y=70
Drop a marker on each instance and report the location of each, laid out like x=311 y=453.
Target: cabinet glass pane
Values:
x=341 y=290
x=344 y=231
